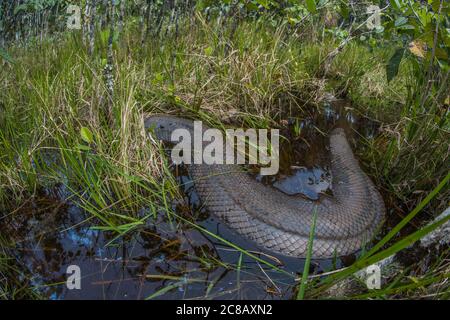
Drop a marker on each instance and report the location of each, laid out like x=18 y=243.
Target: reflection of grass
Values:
x=54 y=89
x=14 y=284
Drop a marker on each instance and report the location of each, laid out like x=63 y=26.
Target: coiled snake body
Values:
x=282 y=223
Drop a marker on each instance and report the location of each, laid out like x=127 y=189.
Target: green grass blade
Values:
x=301 y=290
x=400 y=245
x=408 y=218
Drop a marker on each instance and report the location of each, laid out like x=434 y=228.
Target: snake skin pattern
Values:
x=280 y=222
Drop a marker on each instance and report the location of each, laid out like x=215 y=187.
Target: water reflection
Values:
x=309 y=182
x=159 y=260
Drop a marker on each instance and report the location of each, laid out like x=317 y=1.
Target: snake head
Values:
x=162 y=126
x=338 y=131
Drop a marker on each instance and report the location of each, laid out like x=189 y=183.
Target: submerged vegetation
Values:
x=73 y=103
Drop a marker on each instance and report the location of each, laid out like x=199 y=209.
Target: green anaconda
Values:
x=280 y=222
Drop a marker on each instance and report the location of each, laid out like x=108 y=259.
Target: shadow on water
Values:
x=174 y=260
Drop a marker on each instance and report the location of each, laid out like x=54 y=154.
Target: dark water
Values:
x=173 y=260
x=49 y=236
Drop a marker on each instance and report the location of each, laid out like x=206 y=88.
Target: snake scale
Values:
x=279 y=222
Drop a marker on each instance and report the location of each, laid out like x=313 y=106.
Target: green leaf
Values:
x=441 y=53
x=394 y=63
x=250 y=6
x=159 y=78
x=200 y=5
x=209 y=51
x=83 y=147
x=435 y=5
x=21 y=7
x=264 y=3
x=379 y=29
x=104 y=36
x=311 y=6
x=395 y=4
x=400 y=21
x=86 y=135
x=444 y=65
x=345 y=13
x=406 y=27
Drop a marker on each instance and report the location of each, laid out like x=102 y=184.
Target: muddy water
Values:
x=164 y=259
